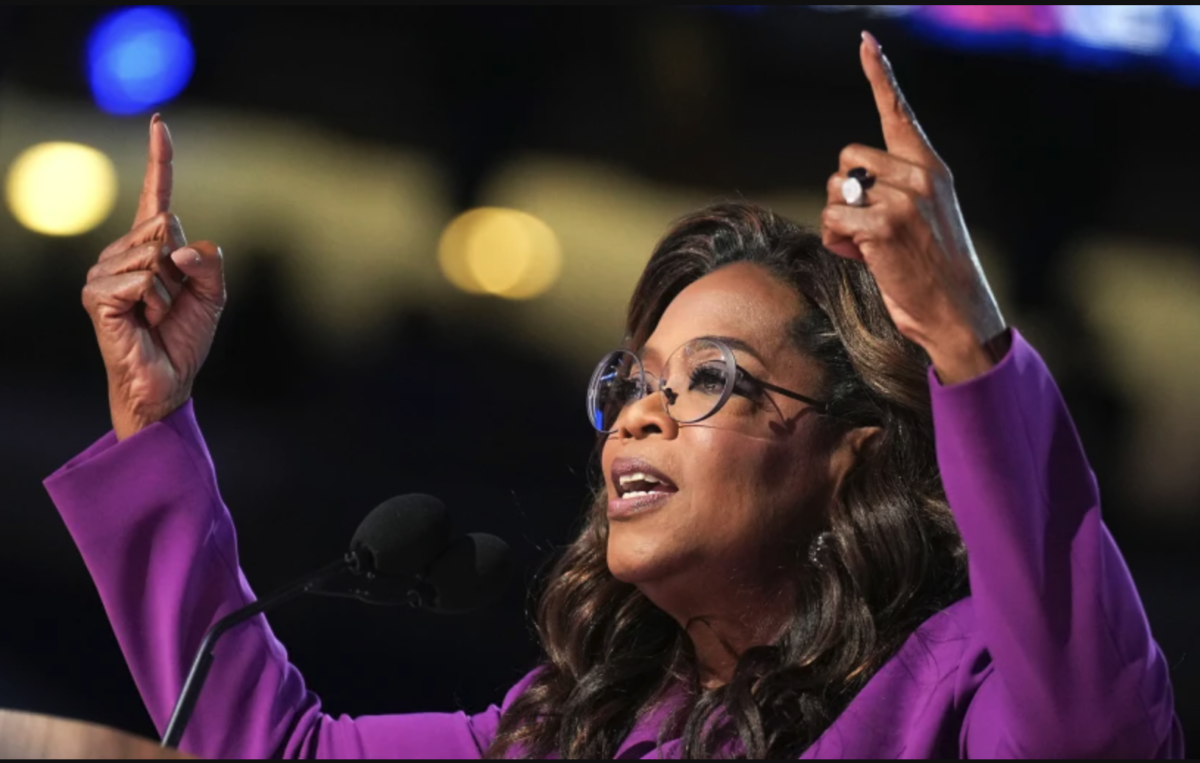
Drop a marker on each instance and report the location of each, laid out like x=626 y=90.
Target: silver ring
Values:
x=854 y=193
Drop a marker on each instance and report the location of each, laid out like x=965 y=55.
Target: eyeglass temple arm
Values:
x=820 y=406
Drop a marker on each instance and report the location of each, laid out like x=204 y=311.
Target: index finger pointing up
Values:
x=903 y=136
x=156 y=189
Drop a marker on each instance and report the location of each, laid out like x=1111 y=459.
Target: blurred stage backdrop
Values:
x=432 y=220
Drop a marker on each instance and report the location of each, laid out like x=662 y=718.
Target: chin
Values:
x=637 y=561
x=626 y=572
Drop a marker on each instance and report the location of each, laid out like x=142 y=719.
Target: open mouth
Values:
x=639 y=485
x=637 y=479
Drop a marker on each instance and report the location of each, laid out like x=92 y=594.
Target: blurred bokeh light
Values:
x=1111 y=36
x=61 y=189
x=503 y=252
x=139 y=58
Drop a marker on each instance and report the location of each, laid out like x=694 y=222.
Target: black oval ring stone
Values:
x=864 y=178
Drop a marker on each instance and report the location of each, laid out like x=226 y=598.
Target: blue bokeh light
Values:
x=139 y=58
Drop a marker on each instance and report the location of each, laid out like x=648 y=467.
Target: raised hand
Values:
x=155 y=302
x=912 y=236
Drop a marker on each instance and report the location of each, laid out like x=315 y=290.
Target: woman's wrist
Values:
x=962 y=356
x=128 y=420
x=126 y=425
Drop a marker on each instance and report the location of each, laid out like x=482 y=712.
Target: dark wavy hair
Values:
x=890 y=557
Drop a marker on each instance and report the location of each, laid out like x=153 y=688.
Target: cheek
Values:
x=740 y=497
x=754 y=491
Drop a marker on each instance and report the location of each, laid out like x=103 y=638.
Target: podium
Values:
x=24 y=736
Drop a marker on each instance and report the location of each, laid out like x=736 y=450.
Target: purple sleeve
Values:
x=1074 y=670
x=160 y=545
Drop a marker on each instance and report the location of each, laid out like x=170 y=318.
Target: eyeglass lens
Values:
x=695 y=382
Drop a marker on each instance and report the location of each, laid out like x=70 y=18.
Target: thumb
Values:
x=203 y=263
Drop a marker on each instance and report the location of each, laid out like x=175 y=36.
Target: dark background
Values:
x=447 y=398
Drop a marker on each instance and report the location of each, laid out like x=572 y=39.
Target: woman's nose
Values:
x=646 y=417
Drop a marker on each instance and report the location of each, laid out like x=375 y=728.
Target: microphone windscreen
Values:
x=471 y=573
x=403 y=535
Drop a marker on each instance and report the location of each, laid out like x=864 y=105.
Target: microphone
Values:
x=403 y=535
x=473 y=571
x=401 y=553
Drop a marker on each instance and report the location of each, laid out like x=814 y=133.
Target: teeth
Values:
x=639 y=477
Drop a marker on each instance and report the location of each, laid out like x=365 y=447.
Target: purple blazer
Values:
x=1051 y=656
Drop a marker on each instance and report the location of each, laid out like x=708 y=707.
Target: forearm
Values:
x=1078 y=670
x=160 y=545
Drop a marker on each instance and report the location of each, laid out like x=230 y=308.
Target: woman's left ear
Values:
x=849 y=450
x=859 y=437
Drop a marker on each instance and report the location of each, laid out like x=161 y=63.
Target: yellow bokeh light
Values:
x=503 y=252
x=61 y=189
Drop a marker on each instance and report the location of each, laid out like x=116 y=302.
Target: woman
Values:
x=775 y=565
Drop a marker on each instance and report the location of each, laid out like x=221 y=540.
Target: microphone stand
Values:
x=204 y=657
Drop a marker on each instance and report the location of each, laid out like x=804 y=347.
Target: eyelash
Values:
x=744 y=386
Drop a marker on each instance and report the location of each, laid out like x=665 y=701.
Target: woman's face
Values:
x=743 y=490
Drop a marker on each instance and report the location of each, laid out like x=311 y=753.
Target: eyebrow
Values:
x=737 y=344
x=732 y=342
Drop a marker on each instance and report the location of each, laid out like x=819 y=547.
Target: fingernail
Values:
x=185 y=257
x=870 y=40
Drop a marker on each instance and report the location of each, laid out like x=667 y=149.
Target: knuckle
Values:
x=94 y=272
x=886 y=226
x=940 y=171
x=903 y=211
x=167 y=224
x=923 y=181
x=905 y=205
x=158 y=257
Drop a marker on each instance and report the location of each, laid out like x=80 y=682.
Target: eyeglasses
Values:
x=697 y=381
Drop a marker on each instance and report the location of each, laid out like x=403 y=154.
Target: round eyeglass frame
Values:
x=731 y=380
